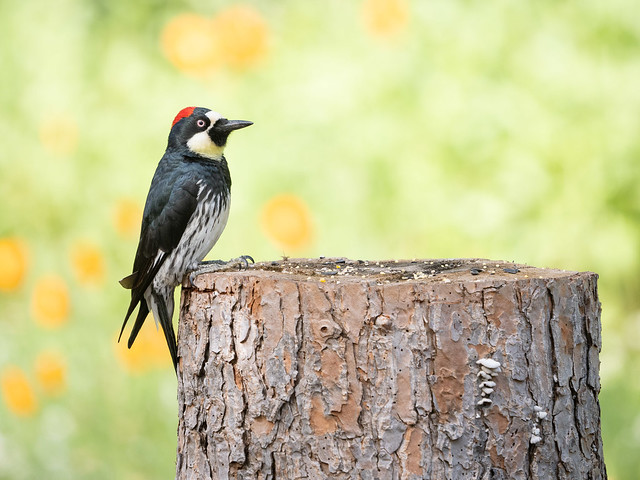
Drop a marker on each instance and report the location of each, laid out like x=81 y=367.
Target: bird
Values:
x=186 y=210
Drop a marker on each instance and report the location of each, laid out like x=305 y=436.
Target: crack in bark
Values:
x=554 y=372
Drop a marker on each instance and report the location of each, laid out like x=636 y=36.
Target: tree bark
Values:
x=340 y=369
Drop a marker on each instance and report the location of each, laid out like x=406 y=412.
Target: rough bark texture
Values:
x=339 y=369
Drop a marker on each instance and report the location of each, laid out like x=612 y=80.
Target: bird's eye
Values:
x=201 y=123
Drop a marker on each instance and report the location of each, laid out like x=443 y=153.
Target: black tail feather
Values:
x=132 y=307
x=137 y=296
x=138 y=285
x=142 y=315
x=167 y=327
x=129 y=281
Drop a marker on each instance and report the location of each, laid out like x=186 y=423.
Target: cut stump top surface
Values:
x=344 y=270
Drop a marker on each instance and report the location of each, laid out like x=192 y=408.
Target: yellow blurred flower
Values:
x=189 y=42
x=127 y=215
x=50 y=301
x=287 y=221
x=13 y=263
x=17 y=392
x=51 y=372
x=242 y=34
x=149 y=350
x=385 y=18
x=87 y=262
x=59 y=134
x=237 y=37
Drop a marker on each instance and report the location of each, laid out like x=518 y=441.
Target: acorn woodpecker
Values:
x=186 y=210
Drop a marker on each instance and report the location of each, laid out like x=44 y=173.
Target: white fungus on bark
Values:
x=539 y=415
x=489 y=363
x=488 y=369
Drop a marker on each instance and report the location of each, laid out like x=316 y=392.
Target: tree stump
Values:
x=428 y=369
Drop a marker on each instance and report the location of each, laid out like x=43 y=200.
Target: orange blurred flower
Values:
x=236 y=37
x=127 y=215
x=149 y=350
x=189 y=42
x=287 y=221
x=51 y=372
x=50 y=301
x=385 y=18
x=87 y=261
x=59 y=134
x=243 y=36
x=13 y=263
x=17 y=392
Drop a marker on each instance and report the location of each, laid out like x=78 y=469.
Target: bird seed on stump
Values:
x=438 y=369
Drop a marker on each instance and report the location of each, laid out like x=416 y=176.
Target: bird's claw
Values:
x=243 y=261
x=205 y=267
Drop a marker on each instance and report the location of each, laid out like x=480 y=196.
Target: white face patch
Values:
x=201 y=142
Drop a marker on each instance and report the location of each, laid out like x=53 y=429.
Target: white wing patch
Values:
x=159 y=256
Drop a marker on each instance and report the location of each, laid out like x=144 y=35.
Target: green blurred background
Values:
x=383 y=129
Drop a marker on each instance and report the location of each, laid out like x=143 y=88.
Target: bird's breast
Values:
x=206 y=224
x=202 y=232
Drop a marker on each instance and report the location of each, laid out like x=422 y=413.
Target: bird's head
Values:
x=203 y=131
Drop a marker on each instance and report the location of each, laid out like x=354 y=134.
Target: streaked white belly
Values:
x=201 y=234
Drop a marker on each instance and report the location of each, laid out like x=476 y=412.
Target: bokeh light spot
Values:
x=242 y=34
x=189 y=42
x=51 y=372
x=59 y=135
x=384 y=18
x=17 y=392
x=13 y=263
x=127 y=215
x=287 y=221
x=87 y=262
x=148 y=351
x=236 y=37
x=50 y=302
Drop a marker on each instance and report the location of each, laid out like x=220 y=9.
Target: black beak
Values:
x=227 y=126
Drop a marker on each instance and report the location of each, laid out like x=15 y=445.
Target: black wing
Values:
x=170 y=205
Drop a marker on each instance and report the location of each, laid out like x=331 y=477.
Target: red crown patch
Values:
x=185 y=112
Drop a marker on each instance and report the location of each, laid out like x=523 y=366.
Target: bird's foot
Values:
x=210 y=266
x=242 y=262
x=221 y=263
